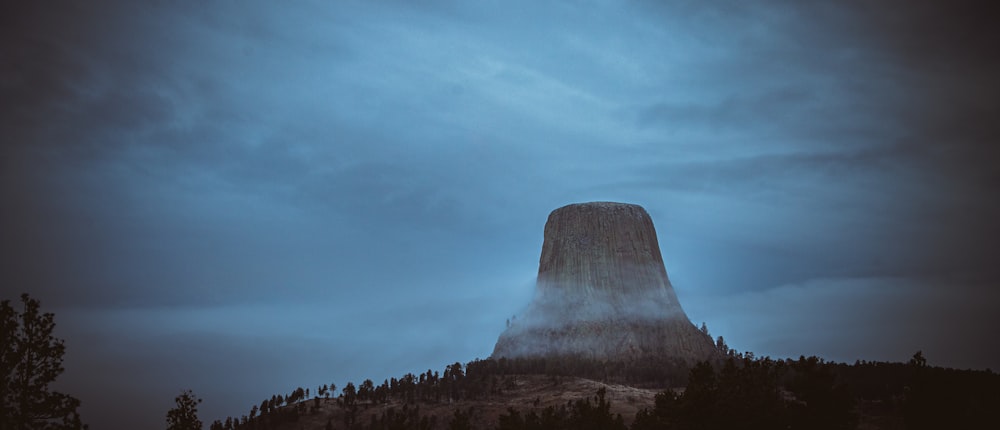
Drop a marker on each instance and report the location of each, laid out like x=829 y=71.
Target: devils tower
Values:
x=602 y=293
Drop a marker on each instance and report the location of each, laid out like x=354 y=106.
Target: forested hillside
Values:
x=565 y=393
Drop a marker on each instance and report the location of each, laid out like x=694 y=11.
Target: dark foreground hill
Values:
x=737 y=392
x=523 y=393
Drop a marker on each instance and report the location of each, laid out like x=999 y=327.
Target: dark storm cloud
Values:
x=947 y=65
x=217 y=176
x=944 y=62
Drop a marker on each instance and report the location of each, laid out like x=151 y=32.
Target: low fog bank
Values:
x=600 y=324
x=619 y=340
x=555 y=308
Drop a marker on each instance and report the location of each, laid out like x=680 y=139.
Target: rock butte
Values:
x=602 y=293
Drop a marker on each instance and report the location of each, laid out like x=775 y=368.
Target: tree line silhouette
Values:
x=739 y=390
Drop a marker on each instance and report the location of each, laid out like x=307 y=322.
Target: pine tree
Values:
x=31 y=359
x=184 y=416
x=720 y=344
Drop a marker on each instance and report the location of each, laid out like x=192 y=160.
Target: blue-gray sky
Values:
x=244 y=197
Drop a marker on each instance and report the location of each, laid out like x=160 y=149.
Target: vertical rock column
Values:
x=602 y=292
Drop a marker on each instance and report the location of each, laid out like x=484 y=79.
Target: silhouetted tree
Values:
x=366 y=390
x=720 y=344
x=184 y=416
x=30 y=359
x=350 y=394
x=297 y=395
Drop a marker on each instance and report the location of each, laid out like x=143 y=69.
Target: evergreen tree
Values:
x=350 y=394
x=720 y=344
x=184 y=416
x=366 y=390
x=31 y=359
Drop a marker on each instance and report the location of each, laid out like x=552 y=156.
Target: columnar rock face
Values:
x=602 y=292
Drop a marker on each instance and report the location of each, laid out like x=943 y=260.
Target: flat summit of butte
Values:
x=602 y=293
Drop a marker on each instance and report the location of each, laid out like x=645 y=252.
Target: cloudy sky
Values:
x=241 y=198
